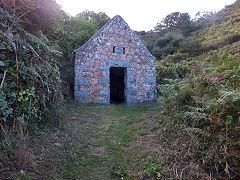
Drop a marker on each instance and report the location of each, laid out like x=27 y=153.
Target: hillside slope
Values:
x=200 y=94
x=225 y=34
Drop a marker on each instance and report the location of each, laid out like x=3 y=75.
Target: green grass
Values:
x=79 y=163
x=98 y=141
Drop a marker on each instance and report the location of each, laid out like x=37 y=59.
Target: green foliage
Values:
x=223 y=31
x=177 y=57
x=25 y=176
x=76 y=162
x=207 y=106
x=110 y=131
x=207 y=32
x=203 y=20
x=191 y=46
x=5 y=148
x=73 y=33
x=35 y=16
x=175 y=21
x=30 y=88
x=168 y=34
x=168 y=44
x=148 y=38
x=167 y=71
x=154 y=170
x=30 y=80
x=118 y=172
x=99 y=18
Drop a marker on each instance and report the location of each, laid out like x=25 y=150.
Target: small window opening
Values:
x=118 y=49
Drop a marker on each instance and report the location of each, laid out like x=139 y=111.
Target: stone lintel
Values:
x=150 y=80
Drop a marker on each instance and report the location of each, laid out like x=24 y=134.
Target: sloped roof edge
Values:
x=109 y=22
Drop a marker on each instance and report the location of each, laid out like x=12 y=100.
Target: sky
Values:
x=142 y=15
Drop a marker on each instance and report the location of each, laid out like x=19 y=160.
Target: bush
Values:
x=207 y=107
x=168 y=44
x=29 y=75
x=167 y=70
x=191 y=46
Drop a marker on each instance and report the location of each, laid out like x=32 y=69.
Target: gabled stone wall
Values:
x=94 y=59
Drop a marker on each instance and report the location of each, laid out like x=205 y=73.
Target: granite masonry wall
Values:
x=94 y=59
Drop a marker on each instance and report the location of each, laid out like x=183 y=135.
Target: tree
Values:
x=35 y=15
x=100 y=18
x=73 y=33
x=148 y=38
x=175 y=22
x=30 y=80
x=168 y=44
x=203 y=20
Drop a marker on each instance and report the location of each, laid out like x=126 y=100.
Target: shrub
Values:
x=191 y=46
x=167 y=70
x=29 y=75
x=167 y=44
x=207 y=107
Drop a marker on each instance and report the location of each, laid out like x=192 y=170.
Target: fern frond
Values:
x=194 y=130
x=34 y=39
x=228 y=96
x=195 y=115
x=195 y=109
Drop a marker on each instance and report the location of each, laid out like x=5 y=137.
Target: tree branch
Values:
x=28 y=11
x=4 y=76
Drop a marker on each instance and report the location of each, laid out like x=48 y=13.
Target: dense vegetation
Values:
x=199 y=85
x=198 y=76
x=37 y=42
x=37 y=39
x=30 y=80
x=70 y=35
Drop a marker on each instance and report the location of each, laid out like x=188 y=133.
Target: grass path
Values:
x=96 y=142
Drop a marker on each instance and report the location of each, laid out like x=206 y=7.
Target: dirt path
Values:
x=109 y=142
x=96 y=142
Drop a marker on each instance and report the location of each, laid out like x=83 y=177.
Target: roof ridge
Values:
x=97 y=33
x=109 y=22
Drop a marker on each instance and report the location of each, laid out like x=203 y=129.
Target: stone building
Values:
x=114 y=66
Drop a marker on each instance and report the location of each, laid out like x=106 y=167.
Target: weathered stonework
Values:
x=95 y=57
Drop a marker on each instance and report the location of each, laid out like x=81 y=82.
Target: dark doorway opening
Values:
x=117 y=84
